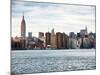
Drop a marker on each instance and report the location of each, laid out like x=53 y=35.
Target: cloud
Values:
x=41 y=16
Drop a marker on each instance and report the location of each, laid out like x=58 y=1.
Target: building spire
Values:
x=86 y=28
x=23 y=15
x=52 y=31
x=23 y=27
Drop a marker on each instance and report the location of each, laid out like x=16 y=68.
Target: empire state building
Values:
x=23 y=27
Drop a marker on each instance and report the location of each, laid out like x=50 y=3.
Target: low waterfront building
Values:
x=18 y=43
x=34 y=43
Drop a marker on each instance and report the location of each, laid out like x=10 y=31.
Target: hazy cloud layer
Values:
x=44 y=16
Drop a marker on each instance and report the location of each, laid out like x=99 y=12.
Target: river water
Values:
x=39 y=61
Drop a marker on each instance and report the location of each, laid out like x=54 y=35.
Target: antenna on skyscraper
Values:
x=86 y=28
x=23 y=14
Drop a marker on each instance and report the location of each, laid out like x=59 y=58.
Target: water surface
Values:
x=37 y=61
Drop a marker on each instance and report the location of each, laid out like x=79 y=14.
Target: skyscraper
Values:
x=53 y=39
x=59 y=40
x=47 y=39
x=41 y=37
x=72 y=35
x=29 y=34
x=83 y=32
x=23 y=27
x=64 y=40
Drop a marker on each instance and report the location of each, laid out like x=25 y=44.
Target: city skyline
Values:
x=42 y=17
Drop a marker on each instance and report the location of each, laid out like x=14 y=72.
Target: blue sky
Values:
x=45 y=16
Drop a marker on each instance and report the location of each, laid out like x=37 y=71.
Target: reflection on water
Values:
x=36 y=61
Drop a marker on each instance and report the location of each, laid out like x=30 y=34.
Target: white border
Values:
x=5 y=37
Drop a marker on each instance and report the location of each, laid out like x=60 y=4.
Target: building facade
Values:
x=41 y=37
x=59 y=40
x=53 y=39
x=64 y=41
x=47 y=39
x=29 y=34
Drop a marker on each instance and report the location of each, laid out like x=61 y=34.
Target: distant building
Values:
x=34 y=43
x=72 y=35
x=23 y=42
x=91 y=35
x=59 y=40
x=79 y=42
x=23 y=27
x=86 y=43
x=29 y=34
x=18 y=43
x=83 y=32
x=15 y=43
x=41 y=34
x=23 y=33
x=64 y=41
x=30 y=42
x=78 y=35
x=41 y=37
x=73 y=43
x=47 y=39
x=92 y=39
x=53 y=39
